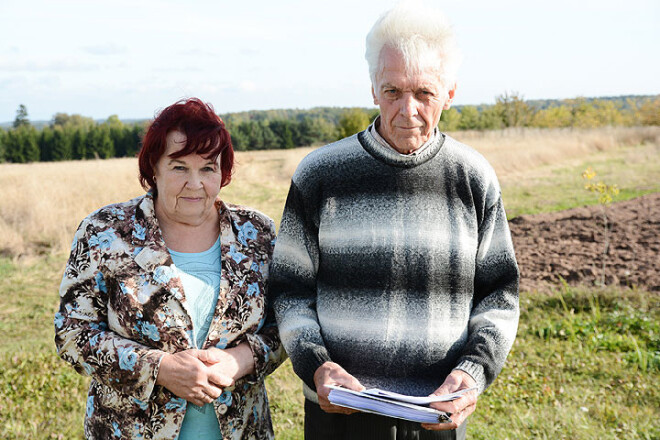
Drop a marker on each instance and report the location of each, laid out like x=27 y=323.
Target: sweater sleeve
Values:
x=494 y=317
x=293 y=286
x=82 y=334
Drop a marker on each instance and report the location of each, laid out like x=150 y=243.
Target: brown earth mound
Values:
x=571 y=245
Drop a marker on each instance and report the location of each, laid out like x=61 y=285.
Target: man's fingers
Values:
x=457 y=419
x=444 y=389
x=458 y=405
x=330 y=408
x=350 y=382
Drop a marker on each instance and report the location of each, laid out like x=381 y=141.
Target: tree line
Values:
x=71 y=137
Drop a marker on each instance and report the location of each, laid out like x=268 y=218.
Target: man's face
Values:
x=410 y=103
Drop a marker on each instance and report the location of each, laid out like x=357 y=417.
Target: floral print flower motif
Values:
x=124 y=288
x=246 y=232
x=121 y=215
x=149 y=330
x=235 y=255
x=143 y=405
x=127 y=358
x=59 y=320
x=99 y=325
x=253 y=289
x=139 y=232
x=88 y=368
x=163 y=274
x=176 y=403
x=138 y=428
x=90 y=406
x=100 y=282
x=94 y=340
x=116 y=432
x=225 y=398
x=74 y=244
x=103 y=239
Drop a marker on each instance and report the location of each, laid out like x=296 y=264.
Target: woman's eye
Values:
x=180 y=168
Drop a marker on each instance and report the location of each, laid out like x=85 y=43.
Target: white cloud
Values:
x=55 y=65
x=247 y=86
x=105 y=49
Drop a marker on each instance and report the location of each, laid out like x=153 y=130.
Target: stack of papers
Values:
x=387 y=403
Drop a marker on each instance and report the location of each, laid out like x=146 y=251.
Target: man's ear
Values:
x=373 y=93
x=450 y=97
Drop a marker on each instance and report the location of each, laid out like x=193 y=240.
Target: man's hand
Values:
x=332 y=374
x=460 y=408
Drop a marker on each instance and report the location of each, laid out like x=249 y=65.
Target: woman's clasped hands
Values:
x=199 y=376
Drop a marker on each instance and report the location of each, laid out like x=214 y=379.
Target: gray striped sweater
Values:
x=398 y=268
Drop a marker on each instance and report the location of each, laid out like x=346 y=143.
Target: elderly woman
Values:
x=163 y=297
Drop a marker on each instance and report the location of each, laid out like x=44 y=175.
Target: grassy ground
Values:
x=555 y=187
x=585 y=365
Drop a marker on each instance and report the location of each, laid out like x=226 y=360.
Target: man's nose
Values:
x=408 y=105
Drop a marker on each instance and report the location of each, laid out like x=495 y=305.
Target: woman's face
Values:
x=187 y=186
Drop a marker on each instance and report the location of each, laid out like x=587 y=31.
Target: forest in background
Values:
x=73 y=137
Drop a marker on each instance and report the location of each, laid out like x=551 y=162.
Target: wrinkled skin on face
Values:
x=410 y=102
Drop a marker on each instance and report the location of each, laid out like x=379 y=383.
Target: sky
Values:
x=133 y=58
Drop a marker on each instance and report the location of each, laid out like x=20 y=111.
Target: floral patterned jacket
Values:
x=123 y=307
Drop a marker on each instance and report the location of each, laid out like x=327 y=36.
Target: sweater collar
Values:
x=388 y=155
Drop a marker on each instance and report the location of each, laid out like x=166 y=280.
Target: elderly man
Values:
x=394 y=267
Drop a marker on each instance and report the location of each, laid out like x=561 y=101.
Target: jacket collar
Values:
x=149 y=246
x=152 y=255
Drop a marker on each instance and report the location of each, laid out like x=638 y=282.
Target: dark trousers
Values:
x=320 y=425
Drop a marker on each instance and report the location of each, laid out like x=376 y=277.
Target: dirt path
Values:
x=570 y=244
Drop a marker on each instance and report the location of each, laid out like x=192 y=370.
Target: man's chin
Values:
x=408 y=145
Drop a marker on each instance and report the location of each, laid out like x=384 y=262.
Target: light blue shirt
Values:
x=200 y=273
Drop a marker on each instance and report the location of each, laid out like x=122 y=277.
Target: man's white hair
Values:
x=422 y=34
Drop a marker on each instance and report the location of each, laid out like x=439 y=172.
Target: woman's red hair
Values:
x=205 y=132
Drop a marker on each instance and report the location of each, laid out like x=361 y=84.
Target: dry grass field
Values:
x=584 y=366
x=42 y=203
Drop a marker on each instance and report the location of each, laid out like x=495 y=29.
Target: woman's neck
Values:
x=184 y=237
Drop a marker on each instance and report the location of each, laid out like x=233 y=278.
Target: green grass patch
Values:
x=556 y=188
x=584 y=366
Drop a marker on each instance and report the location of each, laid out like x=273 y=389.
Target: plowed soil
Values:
x=573 y=244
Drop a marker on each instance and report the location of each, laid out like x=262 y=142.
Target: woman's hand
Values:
x=188 y=377
x=230 y=364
